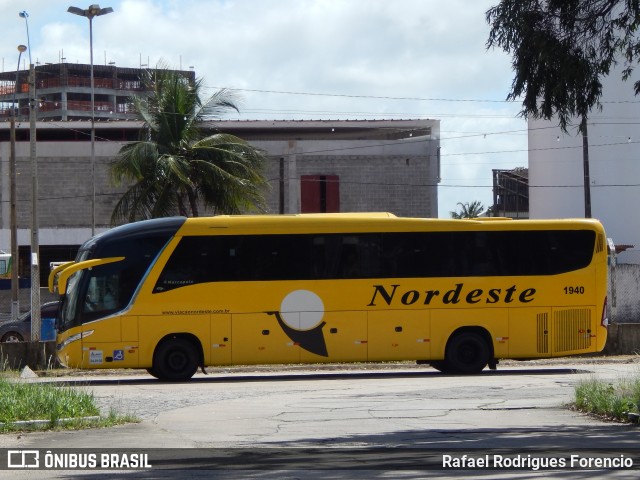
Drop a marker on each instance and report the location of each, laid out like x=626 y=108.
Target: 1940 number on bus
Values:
x=578 y=290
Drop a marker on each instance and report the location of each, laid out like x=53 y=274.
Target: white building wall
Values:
x=375 y=175
x=625 y=307
x=556 y=167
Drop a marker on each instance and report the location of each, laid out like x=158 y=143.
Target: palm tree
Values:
x=175 y=167
x=468 y=210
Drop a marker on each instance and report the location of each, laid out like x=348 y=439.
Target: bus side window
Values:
x=349 y=262
x=318 y=257
x=326 y=256
x=481 y=259
x=178 y=270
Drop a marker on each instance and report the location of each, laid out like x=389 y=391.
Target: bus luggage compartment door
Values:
x=399 y=335
x=344 y=334
x=258 y=338
x=220 y=339
x=529 y=333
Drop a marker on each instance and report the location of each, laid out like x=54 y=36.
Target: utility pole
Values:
x=15 y=305
x=585 y=167
x=13 y=220
x=35 y=243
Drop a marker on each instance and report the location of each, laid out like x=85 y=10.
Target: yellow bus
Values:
x=5 y=265
x=174 y=294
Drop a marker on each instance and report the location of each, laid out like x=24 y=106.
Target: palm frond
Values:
x=173 y=165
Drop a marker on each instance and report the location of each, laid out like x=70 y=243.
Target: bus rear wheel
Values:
x=467 y=353
x=174 y=360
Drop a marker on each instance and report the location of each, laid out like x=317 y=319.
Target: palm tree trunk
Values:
x=193 y=202
x=182 y=209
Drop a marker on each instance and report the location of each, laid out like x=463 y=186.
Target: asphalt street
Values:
x=360 y=419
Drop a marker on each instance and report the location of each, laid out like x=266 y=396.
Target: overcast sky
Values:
x=313 y=59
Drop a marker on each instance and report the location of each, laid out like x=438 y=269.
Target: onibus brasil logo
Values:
x=300 y=317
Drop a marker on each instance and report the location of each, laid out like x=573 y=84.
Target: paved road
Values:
x=322 y=415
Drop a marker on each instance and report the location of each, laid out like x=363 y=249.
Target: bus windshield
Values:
x=67 y=310
x=103 y=290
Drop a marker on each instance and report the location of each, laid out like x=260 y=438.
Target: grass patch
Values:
x=24 y=402
x=609 y=400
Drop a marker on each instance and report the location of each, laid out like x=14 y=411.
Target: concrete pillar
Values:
x=293 y=179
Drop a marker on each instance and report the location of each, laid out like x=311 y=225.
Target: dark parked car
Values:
x=20 y=330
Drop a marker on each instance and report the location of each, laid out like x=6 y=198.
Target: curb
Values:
x=40 y=423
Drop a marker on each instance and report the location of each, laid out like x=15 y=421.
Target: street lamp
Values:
x=13 y=194
x=92 y=11
x=25 y=15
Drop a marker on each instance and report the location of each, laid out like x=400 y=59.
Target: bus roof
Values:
x=144 y=227
x=363 y=222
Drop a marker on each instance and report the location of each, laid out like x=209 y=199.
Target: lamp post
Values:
x=92 y=11
x=25 y=15
x=13 y=194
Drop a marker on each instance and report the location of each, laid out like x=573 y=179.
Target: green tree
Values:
x=176 y=167
x=468 y=210
x=562 y=48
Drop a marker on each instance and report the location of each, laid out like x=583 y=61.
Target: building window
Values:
x=319 y=193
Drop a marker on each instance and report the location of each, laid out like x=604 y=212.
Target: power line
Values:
x=373 y=97
x=388 y=97
x=443 y=154
x=374 y=184
x=361 y=114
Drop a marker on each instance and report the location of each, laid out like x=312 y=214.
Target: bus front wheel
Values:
x=467 y=353
x=174 y=360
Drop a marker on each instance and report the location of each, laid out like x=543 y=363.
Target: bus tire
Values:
x=467 y=353
x=174 y=360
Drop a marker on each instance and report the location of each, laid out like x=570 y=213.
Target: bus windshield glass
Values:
x=106 y=289
x=67 y=311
